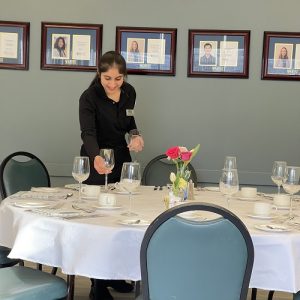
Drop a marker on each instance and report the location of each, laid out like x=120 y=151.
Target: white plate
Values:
x=106 y=207
x=32 y=204
x=127 y=193
x=134 y=222
x=192 y=215
x=248 y=199
x=72 y=186
x=89 y=197
x=45 y=190
x=282 y=207
x=269 y=217
x=211 y=188
x=272 y=227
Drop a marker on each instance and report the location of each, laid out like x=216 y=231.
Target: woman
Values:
x=59 y=48
x=283 y=59
x=134 y=52
x=106 y=114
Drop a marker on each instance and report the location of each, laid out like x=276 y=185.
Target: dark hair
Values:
x=108 y=60
x=56 y=43
x=283 y=56
x=137 y=47
x=207 y=44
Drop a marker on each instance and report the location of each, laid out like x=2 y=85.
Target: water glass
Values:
x=278 y=173
x=229 y=183
x=230 y=163
x=109 y=160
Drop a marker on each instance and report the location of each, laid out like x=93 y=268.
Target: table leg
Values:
x=71 y=285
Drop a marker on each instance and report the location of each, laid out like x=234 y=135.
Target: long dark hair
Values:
x=108 y=60
x=56 y=43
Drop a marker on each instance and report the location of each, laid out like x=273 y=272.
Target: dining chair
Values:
x=20 y=171
x=157 y=171
x=23 y=283
x=188 y=259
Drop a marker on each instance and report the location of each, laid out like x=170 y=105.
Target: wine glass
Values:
x=134 y=133
x=229 y=183
x=278 y=173
x=291 y=184
x=130 y=180
x=109 y=160
x=230 y=163
x=81 y=171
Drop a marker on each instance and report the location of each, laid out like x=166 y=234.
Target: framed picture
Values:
x=218 y=53
x=71 y=46
x=14 y=45
x=281 y=56
x=147 y=51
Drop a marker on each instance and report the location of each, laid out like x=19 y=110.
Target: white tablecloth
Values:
x=102 y=248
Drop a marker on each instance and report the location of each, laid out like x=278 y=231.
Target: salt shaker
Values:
x=191 y=190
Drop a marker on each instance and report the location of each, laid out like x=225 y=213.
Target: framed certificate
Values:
x=281 y=56
x=71 y=46
x=147 y=51
x=14 y=45
x=218 y=53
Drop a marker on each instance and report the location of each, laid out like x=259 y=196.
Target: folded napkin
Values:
x=38 y=195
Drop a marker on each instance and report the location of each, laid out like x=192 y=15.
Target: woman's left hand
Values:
x=136 y=144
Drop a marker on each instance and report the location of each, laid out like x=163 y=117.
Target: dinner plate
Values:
x=32 y=204
x=126 y=193
x=72 y=186
x=269 y=217
x=107 y=207
x=248 y=198
x=89 y=197
x=45 y=190
x=192 y=215
x=282 y=207
x=272 y=227
x=211 y=188
x=134 y=222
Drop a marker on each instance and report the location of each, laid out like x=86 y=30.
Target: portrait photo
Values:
x=135 y=50
x=283 y=54
x=208 y=53
x=229 y=54
x=60 y=46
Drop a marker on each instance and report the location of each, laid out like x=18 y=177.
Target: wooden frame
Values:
x=14 y=45
x=70 y=46
x=147 y=51
x=218 y=53
x=281 y=56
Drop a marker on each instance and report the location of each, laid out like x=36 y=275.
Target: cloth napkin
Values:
x=37 y=195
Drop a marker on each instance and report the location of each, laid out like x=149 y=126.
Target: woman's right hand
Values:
x=99 y=165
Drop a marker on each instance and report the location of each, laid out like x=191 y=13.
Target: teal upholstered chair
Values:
x=157 y=171
x=22 y=283
x=20 y=171
x=187 y=260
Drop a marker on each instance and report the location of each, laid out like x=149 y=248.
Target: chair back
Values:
x=17 y=174
x=157 y=171
x=186 y=260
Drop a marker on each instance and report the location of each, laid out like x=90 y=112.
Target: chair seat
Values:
x=4 y=260
x=22 y=283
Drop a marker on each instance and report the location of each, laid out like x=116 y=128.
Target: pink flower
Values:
x=186 y=156
x=173 y=152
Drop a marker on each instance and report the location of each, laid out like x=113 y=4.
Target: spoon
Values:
x=68 y=195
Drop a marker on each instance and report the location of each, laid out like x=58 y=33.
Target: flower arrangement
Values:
x=181 y=156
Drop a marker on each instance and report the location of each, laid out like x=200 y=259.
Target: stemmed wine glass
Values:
x=131 y=136
x=130 y=180
x=81 y=171
x=229 y=183
x=230 y=163
x=109 y=160
x=278 y=173
x=291 y=184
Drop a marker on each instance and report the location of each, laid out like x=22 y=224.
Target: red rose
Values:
x=185 y=156
x=173 y=152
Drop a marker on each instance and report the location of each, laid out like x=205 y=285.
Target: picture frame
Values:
x=281 y=56
x=70 y=46
x=148 y=51
x=218 y=53
x=14 y=45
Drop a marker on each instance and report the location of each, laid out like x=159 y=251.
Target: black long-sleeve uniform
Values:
x=103 y=124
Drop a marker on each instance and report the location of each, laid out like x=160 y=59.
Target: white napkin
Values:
x=37 y=195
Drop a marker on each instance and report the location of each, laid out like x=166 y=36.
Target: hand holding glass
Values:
x=109 y=160
x=278 y=173
x=81 y=171
x=229 y=183
x=130 y=180
x=291 y=184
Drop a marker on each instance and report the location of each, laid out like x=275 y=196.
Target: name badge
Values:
x=129 y=112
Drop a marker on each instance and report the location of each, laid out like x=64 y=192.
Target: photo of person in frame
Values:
x=283 y=54
x=207 y=53
x=135 y=50
x=60 y=46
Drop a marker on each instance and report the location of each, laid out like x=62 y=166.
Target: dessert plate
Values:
x=259 y=217
x=45 y=190
x=272 y=227
x=32 y=204
x=134 y=222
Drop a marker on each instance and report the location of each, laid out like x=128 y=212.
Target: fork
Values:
x=87 y=210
